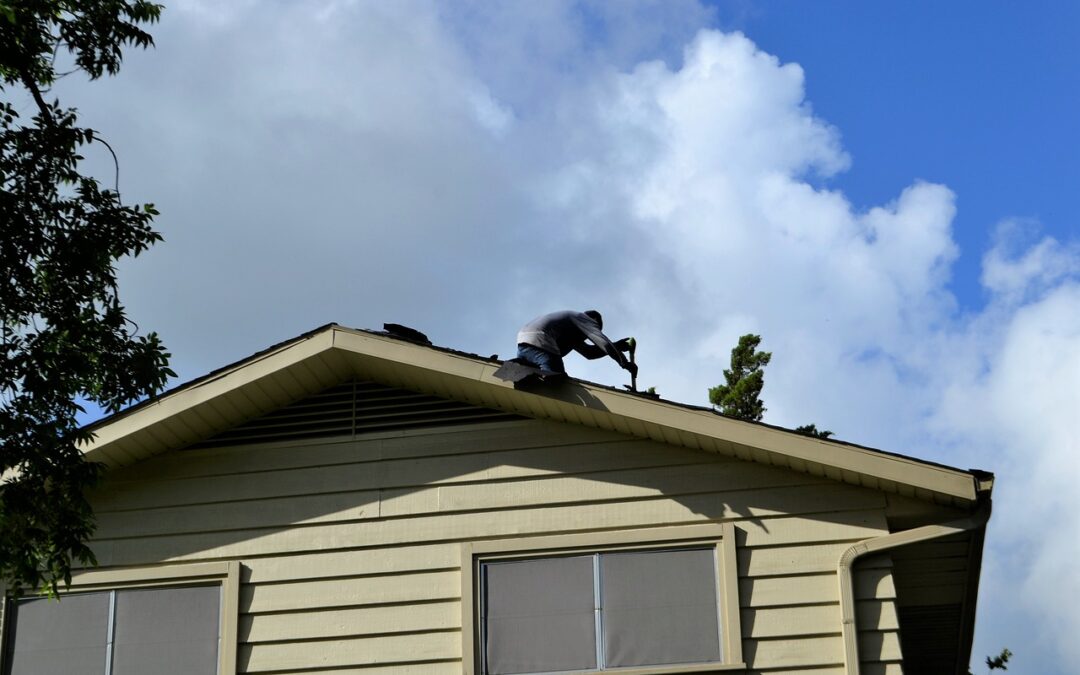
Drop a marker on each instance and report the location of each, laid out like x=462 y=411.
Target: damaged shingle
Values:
x=406 y=333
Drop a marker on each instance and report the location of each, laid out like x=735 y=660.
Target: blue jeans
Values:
x=538 y=358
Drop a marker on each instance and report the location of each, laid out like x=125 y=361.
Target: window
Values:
x=179 y=620
x=660 y=601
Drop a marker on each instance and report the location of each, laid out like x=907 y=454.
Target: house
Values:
x=358 y=502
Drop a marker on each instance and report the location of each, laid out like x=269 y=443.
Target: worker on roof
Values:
x=545 y=340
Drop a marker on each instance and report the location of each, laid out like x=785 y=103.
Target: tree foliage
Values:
x=999 y=662
x=63 y=332
x=812 y=430
x=739 y=395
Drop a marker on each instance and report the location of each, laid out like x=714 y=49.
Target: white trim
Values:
x=110 y=633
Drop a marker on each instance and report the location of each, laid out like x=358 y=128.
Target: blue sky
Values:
x=981 y=96
x=883 y=191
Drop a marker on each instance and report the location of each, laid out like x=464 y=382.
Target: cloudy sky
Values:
x=886 y=194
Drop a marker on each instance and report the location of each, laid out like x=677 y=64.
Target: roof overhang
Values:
x=332 y=354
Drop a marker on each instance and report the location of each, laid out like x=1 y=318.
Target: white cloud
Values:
x=209 y=12
x=1019 y=416
x=495 y=117
x=464 y=167
x=711 y=164
x=1015 y=269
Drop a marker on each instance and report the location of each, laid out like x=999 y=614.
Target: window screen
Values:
x=47 y=639
x=165 y=631
x=600 y=611
x=540 y=615
x=659 y=607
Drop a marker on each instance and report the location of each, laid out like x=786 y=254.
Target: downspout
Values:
x=885 y=543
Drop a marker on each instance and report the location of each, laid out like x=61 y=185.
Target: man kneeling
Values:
x=545 y=340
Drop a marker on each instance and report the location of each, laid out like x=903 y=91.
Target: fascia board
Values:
x=843 y=457
x=408 y=354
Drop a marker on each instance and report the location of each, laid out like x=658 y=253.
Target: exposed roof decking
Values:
x=332 y=354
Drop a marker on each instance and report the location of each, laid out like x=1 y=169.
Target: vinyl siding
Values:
x=351 y=548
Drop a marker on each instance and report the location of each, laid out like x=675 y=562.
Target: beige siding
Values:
x=356 y=544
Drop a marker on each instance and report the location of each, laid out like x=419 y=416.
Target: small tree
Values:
x=812 y=430
x=999 y=662
x=63 y=331
x=739 y=395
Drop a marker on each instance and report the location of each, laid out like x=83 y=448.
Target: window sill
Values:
x=672 y=670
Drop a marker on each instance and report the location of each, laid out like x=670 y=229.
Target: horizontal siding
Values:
x=867 y=669
x=380 y=590
x=808 y=620
x=364 y=651
x=755 y=498
x=469 y=467
x=350 y=563
x=351 y=622
x=800 y=589
x=769 y=560
x=337 y=620
x=114 y=547
x=494 y=437
x=356 y=545
x=794 y=652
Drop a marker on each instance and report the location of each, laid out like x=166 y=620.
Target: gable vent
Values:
x=350 y=409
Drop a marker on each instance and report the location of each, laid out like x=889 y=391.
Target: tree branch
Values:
x=32 y=86
x=116 y=164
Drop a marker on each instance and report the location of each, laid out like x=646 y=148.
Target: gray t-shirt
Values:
x=561 y=332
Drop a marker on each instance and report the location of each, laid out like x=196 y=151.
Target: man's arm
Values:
x=602 y=344
x=590 y=351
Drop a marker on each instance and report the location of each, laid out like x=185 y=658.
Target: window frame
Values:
x=721 y=536
x=224 y=574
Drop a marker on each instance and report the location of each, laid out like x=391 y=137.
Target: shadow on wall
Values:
x=499 y=479
x=443 y=485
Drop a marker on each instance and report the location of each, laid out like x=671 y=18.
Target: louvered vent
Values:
x=354 y=408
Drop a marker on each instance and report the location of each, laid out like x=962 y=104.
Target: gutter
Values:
x=884 y=543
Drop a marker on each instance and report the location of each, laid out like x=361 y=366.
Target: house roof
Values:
x=330 y=354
